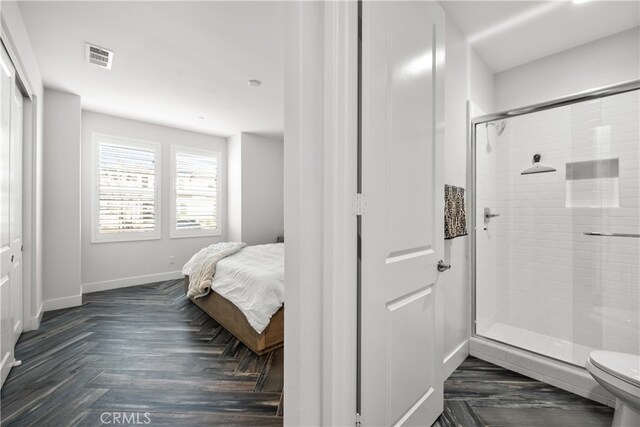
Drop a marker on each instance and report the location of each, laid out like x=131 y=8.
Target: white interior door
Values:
x=402 y=225
x=15 y=209
x=11 y=304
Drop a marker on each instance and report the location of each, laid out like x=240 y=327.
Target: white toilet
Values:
x=619 y=373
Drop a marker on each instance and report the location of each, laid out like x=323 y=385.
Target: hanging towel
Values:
x=455 y=217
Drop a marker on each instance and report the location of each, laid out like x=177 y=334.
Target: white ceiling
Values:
x=173 y=62
x=511 y=33
x=177 y=61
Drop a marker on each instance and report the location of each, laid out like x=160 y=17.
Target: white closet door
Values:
x=11 y=304
x=402 y=225
x=6 y=317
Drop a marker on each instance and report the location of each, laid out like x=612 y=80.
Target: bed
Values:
x=247 y=296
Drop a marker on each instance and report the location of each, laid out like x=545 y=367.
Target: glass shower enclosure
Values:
x=556 y=210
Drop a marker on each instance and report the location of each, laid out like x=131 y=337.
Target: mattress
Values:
x=253 y=280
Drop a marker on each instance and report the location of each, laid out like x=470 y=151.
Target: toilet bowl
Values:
x=619 y=374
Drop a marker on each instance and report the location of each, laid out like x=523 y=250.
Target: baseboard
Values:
x=60 y=303
x=129 y=281
x=35 y=320
x=455 y=358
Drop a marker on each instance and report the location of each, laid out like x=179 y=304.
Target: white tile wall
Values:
x=537 y=274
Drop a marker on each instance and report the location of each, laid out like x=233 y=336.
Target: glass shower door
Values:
x=557 y=206
x=603 y=192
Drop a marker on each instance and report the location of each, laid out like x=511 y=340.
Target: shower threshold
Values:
x=557 y=373
x=554 y=347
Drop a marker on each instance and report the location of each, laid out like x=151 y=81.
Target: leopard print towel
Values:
x=455 y=217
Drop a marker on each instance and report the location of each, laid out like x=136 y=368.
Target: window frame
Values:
x=96 y=237
x=174 y=233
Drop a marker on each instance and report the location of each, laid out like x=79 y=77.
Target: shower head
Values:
x=537 y=167
x=499 y=126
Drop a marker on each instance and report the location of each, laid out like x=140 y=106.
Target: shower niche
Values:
x=593 y=184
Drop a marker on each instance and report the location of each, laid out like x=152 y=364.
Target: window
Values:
x=126 y=189
x=195 y=192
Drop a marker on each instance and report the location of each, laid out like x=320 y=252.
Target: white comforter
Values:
x=202 y=266
x=253 y=280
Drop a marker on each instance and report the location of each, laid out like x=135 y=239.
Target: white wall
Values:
x=481 y=81
x=61 y=226
x=303 y=201
x=256 y=188
x=466 y=77
x=234 y=187
x=604 y=62
x=18 y=41
x=262 y=189
x=142 y=261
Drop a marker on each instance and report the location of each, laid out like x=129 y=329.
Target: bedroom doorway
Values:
x=184 y=333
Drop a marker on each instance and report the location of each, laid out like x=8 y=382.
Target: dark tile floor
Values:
x=148 y=349
x=135 y=351
x=482 y=394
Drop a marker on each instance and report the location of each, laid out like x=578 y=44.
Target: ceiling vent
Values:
x=99 y=56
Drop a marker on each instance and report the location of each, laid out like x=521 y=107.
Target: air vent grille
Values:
x=99 y=56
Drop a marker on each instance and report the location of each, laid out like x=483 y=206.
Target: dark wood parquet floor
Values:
x=480 y=394
x=148 y=350
x=143 y=349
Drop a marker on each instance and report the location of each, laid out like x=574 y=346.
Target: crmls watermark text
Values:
x=125 y=418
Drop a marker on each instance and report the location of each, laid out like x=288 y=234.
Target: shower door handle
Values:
x=599 y=233
x=442 y=266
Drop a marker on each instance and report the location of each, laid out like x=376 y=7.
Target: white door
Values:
x=402 y=234
x=15 y=208
x=10 y=213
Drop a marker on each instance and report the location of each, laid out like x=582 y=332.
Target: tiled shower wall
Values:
x=535 y=266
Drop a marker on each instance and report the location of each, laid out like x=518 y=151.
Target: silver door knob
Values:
x=442 y=266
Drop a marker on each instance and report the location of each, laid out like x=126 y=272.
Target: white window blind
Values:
x=127 y=193
x=196 y=196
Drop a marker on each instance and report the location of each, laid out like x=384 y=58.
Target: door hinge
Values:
x=359 y=204
x=358 y=419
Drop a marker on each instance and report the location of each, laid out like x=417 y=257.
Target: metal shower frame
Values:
x=471 y=165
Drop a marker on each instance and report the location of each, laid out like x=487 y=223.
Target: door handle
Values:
x=12 y=257
x=442 y=266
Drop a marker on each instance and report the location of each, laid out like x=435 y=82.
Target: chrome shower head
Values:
x=537 y=167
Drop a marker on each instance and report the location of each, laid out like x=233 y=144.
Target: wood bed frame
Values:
x=233 y=320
